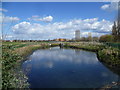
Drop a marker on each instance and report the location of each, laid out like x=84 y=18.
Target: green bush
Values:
x=10 y=77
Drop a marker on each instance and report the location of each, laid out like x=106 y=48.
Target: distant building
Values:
x=61 y=39
x=77 y=35
x=89 y=36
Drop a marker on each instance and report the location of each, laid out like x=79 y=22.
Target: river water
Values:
x=66 y=68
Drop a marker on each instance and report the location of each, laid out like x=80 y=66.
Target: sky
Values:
x=51 y=20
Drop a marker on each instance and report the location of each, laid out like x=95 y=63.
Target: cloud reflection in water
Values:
x=66 y=65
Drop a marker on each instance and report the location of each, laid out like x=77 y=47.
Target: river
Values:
x=66 y=68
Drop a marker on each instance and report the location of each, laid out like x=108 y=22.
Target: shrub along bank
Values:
x=109 y=55
x=12 y=54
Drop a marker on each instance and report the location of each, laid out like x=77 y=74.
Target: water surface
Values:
x=66 y=68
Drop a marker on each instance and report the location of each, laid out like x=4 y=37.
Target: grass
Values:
x=12 y=55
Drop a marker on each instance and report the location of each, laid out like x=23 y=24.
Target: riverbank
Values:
x=108 y=55
x=12 y=55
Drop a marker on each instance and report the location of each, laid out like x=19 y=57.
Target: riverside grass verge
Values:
x=108 y=55
x=12 y=55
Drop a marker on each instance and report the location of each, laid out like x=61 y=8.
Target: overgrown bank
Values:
x=108 y=55
x=12 y=55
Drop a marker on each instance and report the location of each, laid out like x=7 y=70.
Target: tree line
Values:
x=115 y=34
x=113 y=37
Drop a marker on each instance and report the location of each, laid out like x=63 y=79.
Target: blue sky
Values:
x=61 y=11
x=58 y=14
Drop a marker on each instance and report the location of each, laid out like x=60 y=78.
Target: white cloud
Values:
x=3 y=10
x=45 y=19
x=48 y=19
x=94 y=34
x=62 y=29
x=10 y=19
x=106 y=6
x=110 y=7
x=5 y=24
x=7 y=19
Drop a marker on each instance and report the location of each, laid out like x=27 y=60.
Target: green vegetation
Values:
x=106 y=38
x=110 y=56
x=86 y=46
x=115 y=45
x=106 y=54
x=12 y=54
x=116 y=31
x=54 y=44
